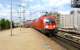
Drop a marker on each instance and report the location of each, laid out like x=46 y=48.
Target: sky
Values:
x=33 y=8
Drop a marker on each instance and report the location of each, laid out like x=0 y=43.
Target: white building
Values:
x=66 y=21
x=76 y=18
x=71 y=20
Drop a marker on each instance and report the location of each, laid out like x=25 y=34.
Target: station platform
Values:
x=27 y=39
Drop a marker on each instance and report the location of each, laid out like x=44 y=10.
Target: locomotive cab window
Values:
x=49 y=21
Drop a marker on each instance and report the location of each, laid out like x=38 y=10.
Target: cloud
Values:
x=62 y=12
x=58 y=2
x=5 y=11
x=25 y=1
x=35 y=6
x=1 y=6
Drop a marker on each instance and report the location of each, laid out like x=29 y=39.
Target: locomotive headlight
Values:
x=46 y=26
x=54 y=26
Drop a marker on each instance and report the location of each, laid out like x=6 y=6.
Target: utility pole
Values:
x=23 y=12
x=23 y=15
x=20 y=17
x=11 y=18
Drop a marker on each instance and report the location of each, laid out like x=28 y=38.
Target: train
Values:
x=45 y=24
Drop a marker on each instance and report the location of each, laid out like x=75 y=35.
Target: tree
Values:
x=7 y=25
x=2 y=24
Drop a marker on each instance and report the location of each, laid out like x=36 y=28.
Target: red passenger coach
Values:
x=45 y=24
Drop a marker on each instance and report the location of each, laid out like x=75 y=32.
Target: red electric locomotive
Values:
x=45 y=24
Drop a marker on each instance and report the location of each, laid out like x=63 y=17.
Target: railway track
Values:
x=71 y=39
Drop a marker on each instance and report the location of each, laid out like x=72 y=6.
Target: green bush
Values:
x=2 y=24
x=5 y=24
